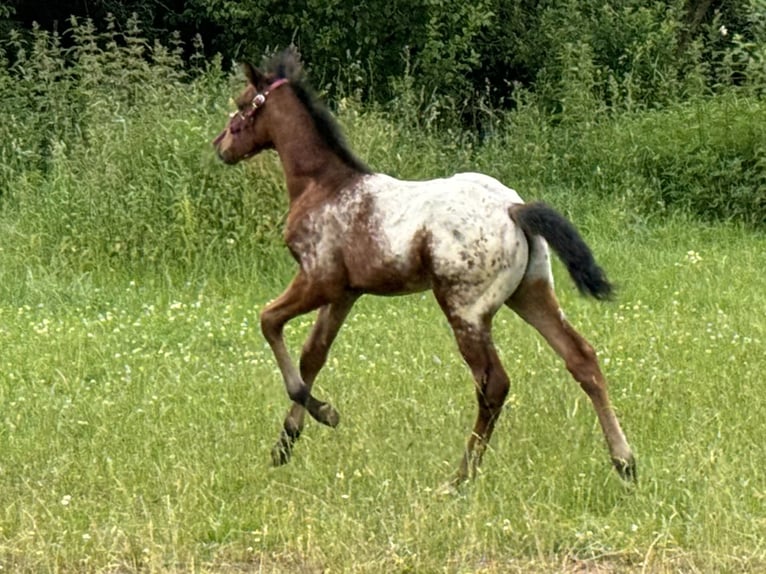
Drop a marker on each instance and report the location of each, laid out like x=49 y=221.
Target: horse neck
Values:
x=307 y=160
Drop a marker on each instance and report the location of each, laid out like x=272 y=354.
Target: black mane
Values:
x=287 y=65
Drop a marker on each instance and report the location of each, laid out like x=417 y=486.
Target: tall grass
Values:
x=107 y=154
x=139 y=402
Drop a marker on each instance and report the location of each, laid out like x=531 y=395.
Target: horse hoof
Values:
x=281 y=453
x=323 y=412
x=327 y=415
x=626 y=468
x=452 y=486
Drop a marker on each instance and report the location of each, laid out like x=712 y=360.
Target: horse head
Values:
x=247 y=131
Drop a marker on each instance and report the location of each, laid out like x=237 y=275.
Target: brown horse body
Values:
x=468 y=238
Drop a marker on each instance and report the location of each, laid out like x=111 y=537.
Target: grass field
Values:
x=139 y=408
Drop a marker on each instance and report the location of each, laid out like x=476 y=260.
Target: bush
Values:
x=707 y=159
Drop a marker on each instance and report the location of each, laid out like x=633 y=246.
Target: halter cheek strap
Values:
x=260 y=98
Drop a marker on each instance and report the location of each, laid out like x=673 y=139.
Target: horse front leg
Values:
x=313 y=357
x=300 y=297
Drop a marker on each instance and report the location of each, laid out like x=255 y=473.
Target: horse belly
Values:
x=372 y=267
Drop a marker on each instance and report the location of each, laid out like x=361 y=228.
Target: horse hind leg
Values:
x=474 y=340
x=492 y=384
x=330 y=318
x=536 y=303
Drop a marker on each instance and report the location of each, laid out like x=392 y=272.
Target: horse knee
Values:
x=313 y=356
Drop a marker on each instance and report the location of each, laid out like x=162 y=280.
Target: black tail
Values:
x=539 y=219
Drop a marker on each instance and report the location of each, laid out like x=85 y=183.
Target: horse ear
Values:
x=254 y=75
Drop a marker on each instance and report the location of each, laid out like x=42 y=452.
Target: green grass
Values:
x=139 y=410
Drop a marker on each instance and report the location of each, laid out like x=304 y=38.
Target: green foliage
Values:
x=637 y=53
x=351 y=47
x=618 y=55
x=704 y=158
x=743 y=60
x=450 y=50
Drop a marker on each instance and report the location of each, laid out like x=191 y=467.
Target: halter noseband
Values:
x=258 y=100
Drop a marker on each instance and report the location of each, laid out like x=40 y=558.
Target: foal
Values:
x=469 y=238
